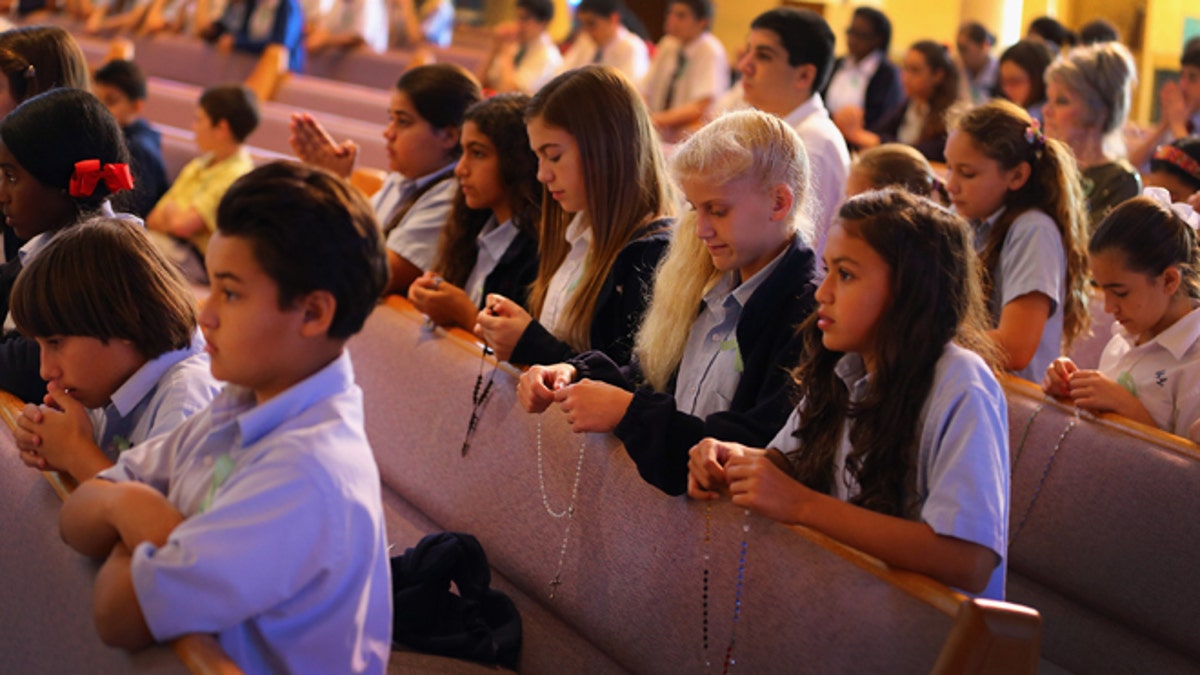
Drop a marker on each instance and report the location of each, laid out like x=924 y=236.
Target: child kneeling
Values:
x=121 y=352
x=259 y=519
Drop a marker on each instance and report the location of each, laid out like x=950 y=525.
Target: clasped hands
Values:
x=589 y=406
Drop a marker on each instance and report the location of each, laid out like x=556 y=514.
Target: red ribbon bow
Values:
x=89 y=172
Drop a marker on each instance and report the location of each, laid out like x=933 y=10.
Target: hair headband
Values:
x=1179 y=158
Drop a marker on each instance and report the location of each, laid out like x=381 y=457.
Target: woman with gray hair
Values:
x=1088 y=94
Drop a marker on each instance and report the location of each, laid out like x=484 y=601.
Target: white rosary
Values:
x=568 y=513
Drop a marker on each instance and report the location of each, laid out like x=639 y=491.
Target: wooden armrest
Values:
x=202 y=655
x=120 y=49
x=992 y=637
x=269 y=73
x=1015 y=386
x=368 y=181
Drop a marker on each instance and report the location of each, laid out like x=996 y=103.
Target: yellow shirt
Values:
x=201 y=187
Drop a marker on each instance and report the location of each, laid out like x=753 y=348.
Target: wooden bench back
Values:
x=1104 y=535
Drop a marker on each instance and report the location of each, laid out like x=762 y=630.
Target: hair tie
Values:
x=1034 y=136
x=1184 y=211
x=1179 y=158
x=89 y=172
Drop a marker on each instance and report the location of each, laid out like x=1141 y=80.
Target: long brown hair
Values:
x=945 y=93
x=502 y=120
x=40 y=58
x=625 y=174
x=1003 y=132
x=936 y=297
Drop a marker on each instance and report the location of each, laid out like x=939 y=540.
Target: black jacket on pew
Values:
x=657 y=436
x=20 y=357
x=619 y=308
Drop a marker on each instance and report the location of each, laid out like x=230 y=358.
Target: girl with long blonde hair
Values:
x=712 y=357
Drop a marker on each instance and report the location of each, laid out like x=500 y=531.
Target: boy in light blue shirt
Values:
x=259 y=519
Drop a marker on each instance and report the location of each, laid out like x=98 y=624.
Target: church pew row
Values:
x=632 y=565
x=176 y=57
x=174 y=103
x=1104 y=537
x=46 y=611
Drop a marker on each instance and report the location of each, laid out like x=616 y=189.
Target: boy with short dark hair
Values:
x=602 y=38
x=121 y=86
x=689 y=72
x=184 y=219
x=259 y=519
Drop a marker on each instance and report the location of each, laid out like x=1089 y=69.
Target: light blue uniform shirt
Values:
x=283 y=552
x=1032 y=260
x=711 y=367
x=962 y=462
x=491 y=243
x=154 y=400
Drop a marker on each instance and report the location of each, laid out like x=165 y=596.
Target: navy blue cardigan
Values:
x=657 y=436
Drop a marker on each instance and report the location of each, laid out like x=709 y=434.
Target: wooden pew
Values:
x=47 y=619
x=1103 y=537
x=630 y=598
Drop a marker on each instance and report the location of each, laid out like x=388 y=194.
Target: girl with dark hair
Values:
x=423 y=145
x=899 y=445
x=489 y=244
x=1022 y=75
x=1021 y=192
x=1144 y=258
x=62 y=158
x=605 y=223
x=930 y=79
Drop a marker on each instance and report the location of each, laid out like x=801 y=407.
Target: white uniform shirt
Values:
x=539 y=63
x=366 y=18
x=493 y=240
x=282 y=553
x=566 y=278
x=626 y=52
x=828 y=165
x=1163 y=373
x=848 y=85
x=962 y=461
x=705 y=72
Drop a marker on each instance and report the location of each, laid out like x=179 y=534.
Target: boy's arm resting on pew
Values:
x=103 y=518
x=115 y=609
x=99 y=514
